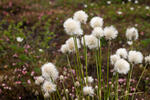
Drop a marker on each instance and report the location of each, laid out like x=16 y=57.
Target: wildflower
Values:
x=71 y=44
x=89 y=79
x=119 y=13
x=49 y=87
x=114 y=58
x=39 y=80
x=77 y=84
x=98 y=32
x=64 y=48
x=88 y=90
x=132 y=8
x=19 y=39
x=136 y=2
x=122 y=66
x=108 y=2
x=132 y=34
x=122 y=52
x=61 y=77
x=96 y=22
x=80 y=16
x=90 y=41
x=46 y=95
x=129 y=42
x=110 y=32
x=72 y=27
x=147 y=7
x=147 y=59
x=135 y=57
x=40 y=50
x=49 y=71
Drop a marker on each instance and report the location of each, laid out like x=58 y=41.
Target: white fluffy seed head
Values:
x=122 y=52
x=49 y=87
x=71 y=44
x=80 y=16
x=135 y=57
x=96 y=22
x=39 y=80
x=88 y=90
x=98 y=32
x=89 y=79
x=64 y=48
x=72 y=27
x=90 y=41
x=147 y=59
x=110 y=32
x=122 y=66
x=114 y=58
x=49 y=71
x=132 y=34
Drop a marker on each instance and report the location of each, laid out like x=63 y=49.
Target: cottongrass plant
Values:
x=79 y=46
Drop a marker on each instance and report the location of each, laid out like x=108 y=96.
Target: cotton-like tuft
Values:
x=122 y=66
x=147 y=59
x=90 y=41
x=89 y=79
x=49 y=71
x=80 y=16
x=71 y=44
x=122 y=52
x=98 y=32
x=96 y=22
x=132 y=34
x=135 y=57
x=48 y=87
x=110 y=32
x=64 y=48
x=72 y=27
x=39 y=80
x=88 y=90
x=114 y=58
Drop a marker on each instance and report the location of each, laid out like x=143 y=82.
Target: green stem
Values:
x=139 y=81
x=116 y=87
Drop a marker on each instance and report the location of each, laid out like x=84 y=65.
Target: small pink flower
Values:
x=29 y=82
x=32 y=73
x=19 y=98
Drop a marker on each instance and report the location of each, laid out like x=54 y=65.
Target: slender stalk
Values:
x=116 y=87
x=128 y=82
x=108 y=56
x=139 y=80
x=72 y=75
x=65 y=90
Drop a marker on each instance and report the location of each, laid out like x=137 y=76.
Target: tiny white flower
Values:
x=49 y=71
x=119 y=13
x=98 y=32
x=40 y=50
x=80 y=16
x=132 y=8
x=110 y=32
x=64 y=48
x=147 y=59
x=122 y=66
x=96 y=22
x=129 y=42
x=48 y=87
x=88 y=90
x=19 y=39
x=61 y=77
x=132 y=34
x=89 y=79
x=39 y=80
x=135 y=57
x=136 y=2
x=90 y=41
x=85 y=6
x=147 y=7
x=71 y=44
x=114 y=58
x=72 y=27
x=109 y=2
x=122 y=52
x=77 y=84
